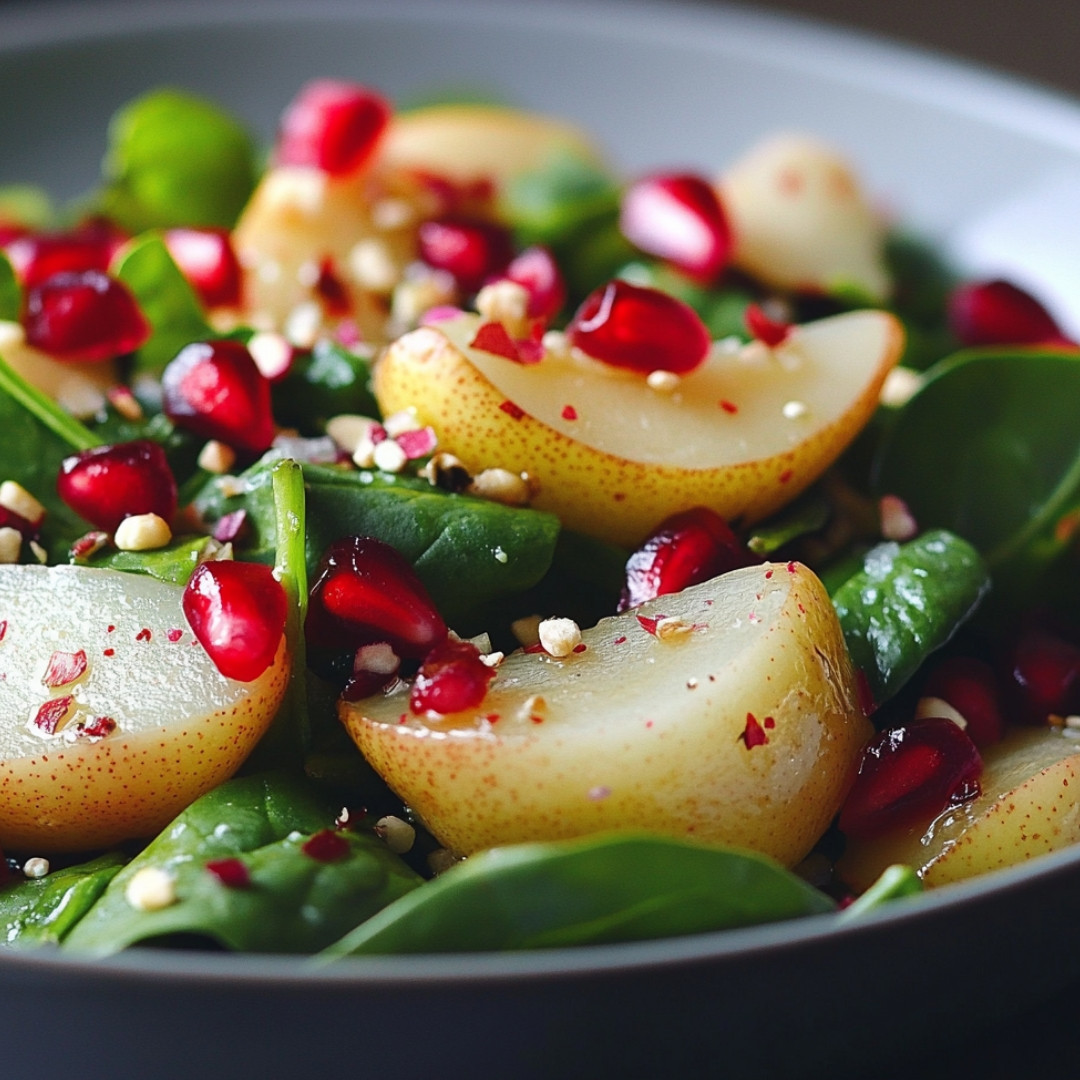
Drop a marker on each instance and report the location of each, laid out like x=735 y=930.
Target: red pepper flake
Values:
x=648 y=623
x=232 y=873
x=175 y=635
x=512 y=410
x=770 y=332
x=768 y=574
x=536 y=719
x=3 y=629
x=326 y=846
x=492 y=717
x=98 y=728
x=108 y=652
x=50 y=713
x=419 y=443
x=580 y=647
x=569 y=412
x=143 y=635
x=492 y=337
x=109 y=629
x=729 y=406
x=791 y=567
x=648 y=723
x=769 y=722
x=619 y=640
x=753 y=735
x=230 y=526
x=64 y=668
x=786 y=475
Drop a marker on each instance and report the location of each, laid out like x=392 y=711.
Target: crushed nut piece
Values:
x=900 y=386
x=289 y=190
x=398 y=423
x=378 y=658
x=505 y=302
x=10 y=545
x=492 y=659
x=388 y=456
x=527 y=630
x=36 y=867
x=217 y=457
x=421 y=290
x=939 y=707
x=142 y=532
x=125 y=402
x=671 y=628
x=446 y=472
x=559 y=636
x=501 y=486
x=303 y=324
x=14 y=497
x=151 y=889
x=79 y=396
x=349 y=430
x=40 y=553
x=373 y=267
x=662 y=381
x=399 y=835
x=390 y=213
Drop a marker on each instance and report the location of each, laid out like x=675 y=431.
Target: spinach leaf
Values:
x=10 y=292
x=43 y=910
x=328 y=381
x=467 y=551
x=809 y=513
x=176 y=159
x=27 y=205
x=989 y=448
x=907 y=601
x=166 y=299
x=174 y=563
x=605 y=888
x=294 y=902
x=894 y=882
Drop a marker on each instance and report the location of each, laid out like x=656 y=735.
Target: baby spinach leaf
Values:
x=989 y=448
x=176 y=159
x=605 y=888
x=41 y=910
x=467 y=551
x=166 y=299
x=907 y=601
x=10 y=292
x=328 y=381
x=894 y=882
x=174 y=563
x=809 y=513
x=293 y=902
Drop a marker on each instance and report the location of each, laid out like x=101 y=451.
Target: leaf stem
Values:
x=40 y=405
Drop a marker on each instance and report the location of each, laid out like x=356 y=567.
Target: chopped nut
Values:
x=11 y=334
x=389 y=457
x=527 y=630
x=36 y=867
x=505 y=302
x=555 y=343
x=900 y=386
x=492 y=659
x=373 y=267
x=391 y=213
x=939 y=707
x=420 y=291
x=559 y=636
x=10 y=545
x=501 y=486
x=125 y=402
x=40 y=553
x=446 y=472
x=379 y=659
x=79 y=396
x=670 y=628
x=349 y=430
x=231 y=485
x=398 y=423
x=288 y=190
x=272 y=353
x=142 y=532
x=217 y=457
x=662 y=381
x=303 y=323
x=399 y=835
x=14 y=497
x=89 y=544
x=151 y=889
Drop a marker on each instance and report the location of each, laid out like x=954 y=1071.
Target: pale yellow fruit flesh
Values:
x=743 y=434
x=465 y=142
x=800 y=220
x=642 y=731
x=1029 y=805
x=181 y=726
x=67 y=381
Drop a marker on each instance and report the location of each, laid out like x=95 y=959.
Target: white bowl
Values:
x=989 y=168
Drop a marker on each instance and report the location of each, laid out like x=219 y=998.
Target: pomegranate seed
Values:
x=232 y=873
x=678 y=218
x=207 y=259
x=237 y=612
x=64 y=668
x=1043 y=676
x=451 y=678
x=106 y=484
x=84 y=315
x=367 y=592
x=51 y=713
x=909 y=774
x=11 y=520
x=333 y=126
x=97 y=728
x=970 y=686
x=326 y=846
x=216 y=390
x=36 y=257
x=471 y=251
x=640 y=329
x=536 y=271
x=684 y=549
x=770 y=332
x=1000 y=313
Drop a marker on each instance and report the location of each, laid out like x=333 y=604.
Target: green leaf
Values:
x=328 y=381
x=907 y=601
x=173 y=564
x=27 y=205
x=467 y=551
x=606 y=888
x=989 y=448
x=809 y=513
x=166 y=299
x=895 y=882
x=43 y=910
x=175 y=159
x=294 y=903
x=10 y=291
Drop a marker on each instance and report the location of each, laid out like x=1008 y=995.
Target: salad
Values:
x=422 y=538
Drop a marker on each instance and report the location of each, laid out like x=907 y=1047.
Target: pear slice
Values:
x=612 y=456
x=733 y=720
x=801 y=222
x=1029 y=804
x=131 y=738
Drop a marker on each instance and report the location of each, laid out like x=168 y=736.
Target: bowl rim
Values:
x=831 y=52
